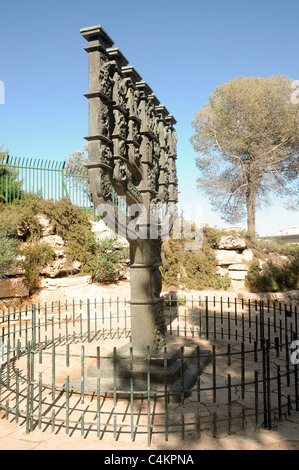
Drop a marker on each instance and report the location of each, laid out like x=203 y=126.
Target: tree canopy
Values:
x=247 y=139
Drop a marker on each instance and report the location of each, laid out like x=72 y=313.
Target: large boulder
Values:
x=61 y=267
x=227 y=257
x=238 y=267
x=248 y=255
x=69 y=283
x=230 y=242
x=14 y=287
x=237 y=275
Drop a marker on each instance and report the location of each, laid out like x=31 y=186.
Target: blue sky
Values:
x=183 y=49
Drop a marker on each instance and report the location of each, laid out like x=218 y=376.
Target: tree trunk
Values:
x=251 y=208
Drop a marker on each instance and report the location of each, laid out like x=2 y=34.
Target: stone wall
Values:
x=233 y=258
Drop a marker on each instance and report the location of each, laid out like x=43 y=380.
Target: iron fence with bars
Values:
x=250 y=381
x=24 y=178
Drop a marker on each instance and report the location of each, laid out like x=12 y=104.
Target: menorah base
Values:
x=123 y=375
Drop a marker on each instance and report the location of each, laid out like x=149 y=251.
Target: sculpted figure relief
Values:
x=132 y=101
x=105 y=155
x=119 y=90
x=104 y=121
x=106 y=81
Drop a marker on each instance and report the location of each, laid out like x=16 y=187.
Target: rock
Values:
x=248 y=255
x=71 y=282
x=45 y=225
x=16 y=268
x=232 y=243
x=227 y=257
x=221 y=271
x=23 y=230
x=55 y=241
x=237 y=284
x=14 y=287
x=237 y=275
x=61 y=267
x=238 y=267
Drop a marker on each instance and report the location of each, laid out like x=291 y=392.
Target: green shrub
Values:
x=104 y=268
x=68 y=221
x=19 y=221
x=8 y=253
x=192 y=269
x=221 y=282
x=37 y=255
x=211 y=236
x=173 y=262
x=201 y=267
x=273 y=277
x=10 y=186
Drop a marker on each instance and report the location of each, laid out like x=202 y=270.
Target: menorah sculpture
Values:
x=132 y=149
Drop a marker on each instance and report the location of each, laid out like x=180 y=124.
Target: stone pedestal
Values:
x=123 y=372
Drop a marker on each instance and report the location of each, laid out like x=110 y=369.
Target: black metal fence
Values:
x=250 y=380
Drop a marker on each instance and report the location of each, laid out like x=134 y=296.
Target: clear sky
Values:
x=183 y=49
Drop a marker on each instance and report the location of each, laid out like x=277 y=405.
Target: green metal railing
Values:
x=249 y=382
x=25 y=178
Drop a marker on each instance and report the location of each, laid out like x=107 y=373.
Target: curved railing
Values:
x=251 y=378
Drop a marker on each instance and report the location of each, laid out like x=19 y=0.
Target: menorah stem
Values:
x=147 y=307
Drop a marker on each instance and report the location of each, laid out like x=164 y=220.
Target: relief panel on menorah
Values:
x=133 y=132
x=119 y=148
x=172 y=144
x=100 y=184
x=173 y=193
x=105 y=80
x=146 y=150
x=120 y=124
x=133 y=97
x=121 y=173
x=153 y=176
x=99 y=119
x=99 y=153
x=147 y=116
x=172 y=171
x=134 y=161
x=119 y=92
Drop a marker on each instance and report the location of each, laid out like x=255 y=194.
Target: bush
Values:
x=7 y=254
x=173 y=262
x=37 y=255
x=211 y=236
x=10 y=187
x=68 y=221
x=221 y=282
x=19 y=222
x=192 y=269
x=273 y=277
x=108 y=258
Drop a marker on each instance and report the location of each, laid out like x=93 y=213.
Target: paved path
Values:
x=284 y=437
